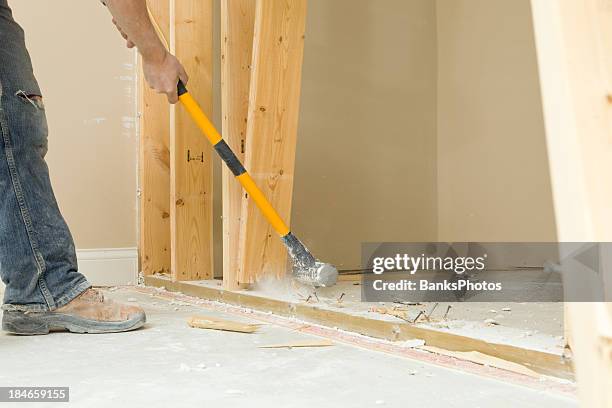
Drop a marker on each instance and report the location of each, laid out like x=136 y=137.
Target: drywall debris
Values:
x=491 y=322
x=234 y=392
x=213 y=323
x=441 y=325
x=412 y=343
x=179 y=303
x=301 y=344
x=184 y=368
x=506 y=309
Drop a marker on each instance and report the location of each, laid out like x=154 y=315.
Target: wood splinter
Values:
x=202 y=322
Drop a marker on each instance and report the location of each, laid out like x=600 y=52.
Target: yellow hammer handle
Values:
x=232 y=162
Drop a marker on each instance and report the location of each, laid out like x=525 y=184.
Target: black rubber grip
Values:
x=230 y=158
x=182 y=89
x=302 y=258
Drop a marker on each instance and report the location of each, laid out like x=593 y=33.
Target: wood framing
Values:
x=191 y=166
x=271 y=138
x=237 y=27
x=574 y=46
x=154 y=166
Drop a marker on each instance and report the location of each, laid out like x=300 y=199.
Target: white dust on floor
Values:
x=535 y=326
x=169 y=364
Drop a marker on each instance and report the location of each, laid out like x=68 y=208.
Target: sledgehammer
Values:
x=306 y=268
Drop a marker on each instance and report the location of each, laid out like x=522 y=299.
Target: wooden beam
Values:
x=191 y=181
x=539 y=361
x=574 y=46
x=154 y=167
x=237 y=27
x=274 y=105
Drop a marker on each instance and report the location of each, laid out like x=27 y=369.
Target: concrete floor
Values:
x=169 y=364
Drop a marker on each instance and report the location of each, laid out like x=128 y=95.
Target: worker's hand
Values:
x=163 y=74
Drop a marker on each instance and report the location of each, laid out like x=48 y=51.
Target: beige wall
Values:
x=87 y=77
x=366 y=165
x=416 y=124
x=493 y=179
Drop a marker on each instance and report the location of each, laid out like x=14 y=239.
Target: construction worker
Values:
x=44 y=290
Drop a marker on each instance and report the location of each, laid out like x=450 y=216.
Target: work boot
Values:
x=88 y=313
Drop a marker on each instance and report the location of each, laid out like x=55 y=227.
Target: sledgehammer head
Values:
x=306 y=268
x=320 y=275
x=326 y=275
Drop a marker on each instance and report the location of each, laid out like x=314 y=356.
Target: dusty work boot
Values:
x=88 y=313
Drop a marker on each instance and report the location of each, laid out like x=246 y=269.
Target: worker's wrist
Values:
x=155 y=54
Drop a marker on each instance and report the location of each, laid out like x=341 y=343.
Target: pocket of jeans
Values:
x=28 y=121
x=31 y=98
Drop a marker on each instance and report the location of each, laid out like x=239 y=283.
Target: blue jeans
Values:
x=37 y=255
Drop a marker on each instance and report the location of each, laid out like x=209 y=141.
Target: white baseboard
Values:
x=107 y=267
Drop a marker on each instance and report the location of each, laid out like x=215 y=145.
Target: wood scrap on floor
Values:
x=212 y=323
x=301 y=344
x=484 y=359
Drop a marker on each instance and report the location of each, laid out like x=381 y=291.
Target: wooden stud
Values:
x=191 y=179
x=154 y=167
x=574 y=46
x=237 y=26
x=274 y=105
